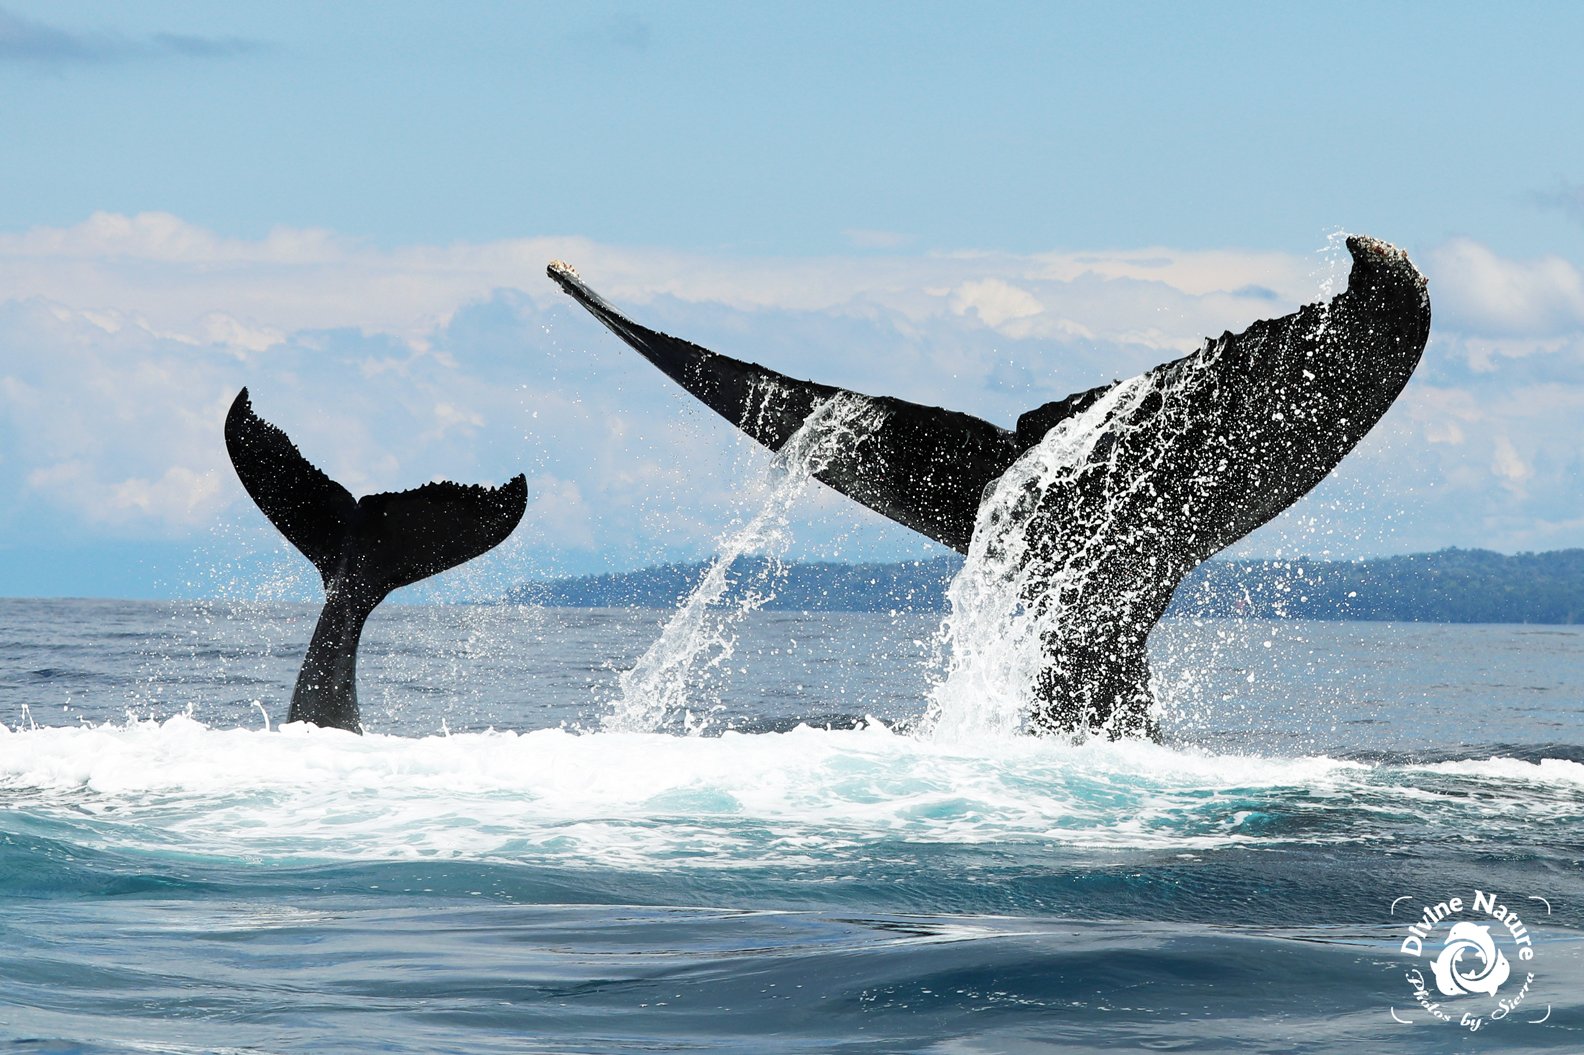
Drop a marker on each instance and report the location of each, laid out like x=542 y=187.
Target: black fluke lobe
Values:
x=363 y=548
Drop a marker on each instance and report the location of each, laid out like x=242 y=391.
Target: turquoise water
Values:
x=490 y=869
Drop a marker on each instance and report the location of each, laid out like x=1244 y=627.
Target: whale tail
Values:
x=924 y=467
x=1203 y=450
x=362 y=548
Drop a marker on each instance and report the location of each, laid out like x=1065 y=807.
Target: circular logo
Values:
x=1471 y=960
x=1456 y=977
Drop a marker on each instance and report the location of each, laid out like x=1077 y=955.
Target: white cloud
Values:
x=558 y=515
x=1510 y=467
x=181 y=495
x=187 y=281
x=1441 y=412
x=220 y=328
x=449 y=418
x=124 y=339
x=181 y=498
x=110 y=421
x=1478 y=291
x=995 y=301
x=1203 y=272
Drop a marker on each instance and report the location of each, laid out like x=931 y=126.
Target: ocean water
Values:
x=789 y=861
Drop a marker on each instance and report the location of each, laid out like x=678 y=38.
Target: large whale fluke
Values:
x=946 y=457
x=363 y=548
x=1170 y=467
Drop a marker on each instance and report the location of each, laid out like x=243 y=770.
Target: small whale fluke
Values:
x=363 y=548
x=1141 y=480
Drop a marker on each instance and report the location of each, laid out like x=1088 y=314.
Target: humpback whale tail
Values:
x=923 y=467
x=1137 y=482
x=363 y=548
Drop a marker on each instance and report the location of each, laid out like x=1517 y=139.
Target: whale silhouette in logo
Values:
x=363 y=548
x=1161 y=471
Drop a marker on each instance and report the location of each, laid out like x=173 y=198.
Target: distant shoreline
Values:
x=1448 y=586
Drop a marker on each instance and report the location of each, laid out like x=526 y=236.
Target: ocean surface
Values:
x=521 y=856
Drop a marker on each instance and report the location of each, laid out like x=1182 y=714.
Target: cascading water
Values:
x=671 y=680
x=992 y=639
x=1077 y=548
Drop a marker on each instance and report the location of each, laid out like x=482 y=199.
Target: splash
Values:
x=553 y=799
x=1077 y=549
x=992 y=636
x=677 y=679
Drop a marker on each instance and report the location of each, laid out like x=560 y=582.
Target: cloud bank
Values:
x=123 y=339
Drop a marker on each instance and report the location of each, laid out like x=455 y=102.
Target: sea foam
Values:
x=651 y=801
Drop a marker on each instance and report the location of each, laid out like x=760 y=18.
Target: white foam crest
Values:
x=655 y=803
x=992 y=639
x=678 y=673
x=1549 y=771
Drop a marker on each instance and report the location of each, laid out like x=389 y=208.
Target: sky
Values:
x=348 y=209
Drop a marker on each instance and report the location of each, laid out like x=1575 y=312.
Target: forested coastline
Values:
x=1448 y=586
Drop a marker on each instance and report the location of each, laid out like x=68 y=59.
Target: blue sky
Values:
x=348 y=208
